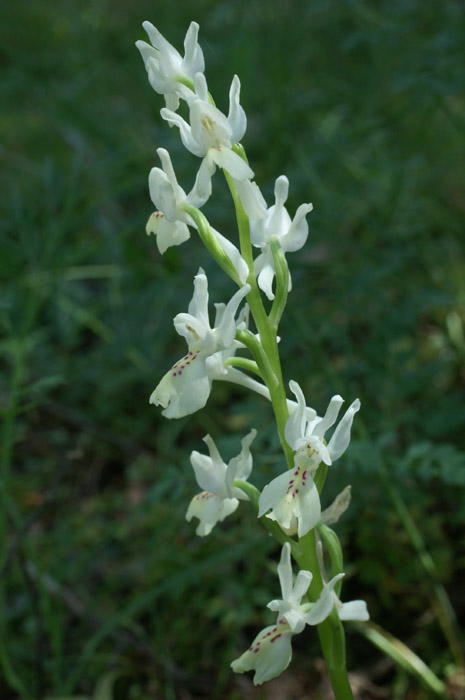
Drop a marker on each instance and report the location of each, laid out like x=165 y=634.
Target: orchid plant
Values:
x=289 y=506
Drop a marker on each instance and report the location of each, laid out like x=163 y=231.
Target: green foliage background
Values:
x=361 y=105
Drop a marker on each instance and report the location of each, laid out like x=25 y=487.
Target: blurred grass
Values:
x=362 y=107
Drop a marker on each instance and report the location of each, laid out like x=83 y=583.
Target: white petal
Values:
x=184 y=389
x=203 y=184
x=319 y=428
x=236 y=115
x=167 y=165
x=187 y=139
x=210 y=509
x=209 y=471
x=324 y=604
x=265 y=278
x=193 y=56
x=294 y=616
x=341 y=436
x=353 y=610
x=148 y=53
x=278 y=220
x=219 y=312
x=295 y=424
x=297 y=235
x=273 y=493
x=198 y=306
x=200 y=86
x=285 y=571
x=198 y=335
x=269 y=654
x=158 y=40
x=309 y=508
x=225 y=158
x=224 y=334
x=240 y=467
x=172 y=101
x=158 y=182
x=215 y=456
x=253 y=202
x=153 y=223
x=281 y=190
x=167 y=233
x=301 y=586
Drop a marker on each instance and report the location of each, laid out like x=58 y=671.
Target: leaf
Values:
x=104 y=688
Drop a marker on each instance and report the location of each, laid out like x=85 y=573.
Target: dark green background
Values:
x=361 y=105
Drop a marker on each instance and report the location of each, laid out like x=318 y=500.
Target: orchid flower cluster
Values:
x=289 y=506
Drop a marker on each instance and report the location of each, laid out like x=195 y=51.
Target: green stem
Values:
x=244 y=363
x=282 y=283
x=263 y=362
x=265 y=328
x=331 y=639
x=266 y=355
x=210 y=242
x=333 y=546
x=330 y=631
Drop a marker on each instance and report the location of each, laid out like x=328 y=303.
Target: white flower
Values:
x=353 y=610
x=169 y=223
x=273 y=222
x=271 y=651
x=290 y=607
x=220 y=498
x=186 y=387
x=210 y=134
x=167 y=70
x=293 y=497
x=306 y=436
x=269 y=654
